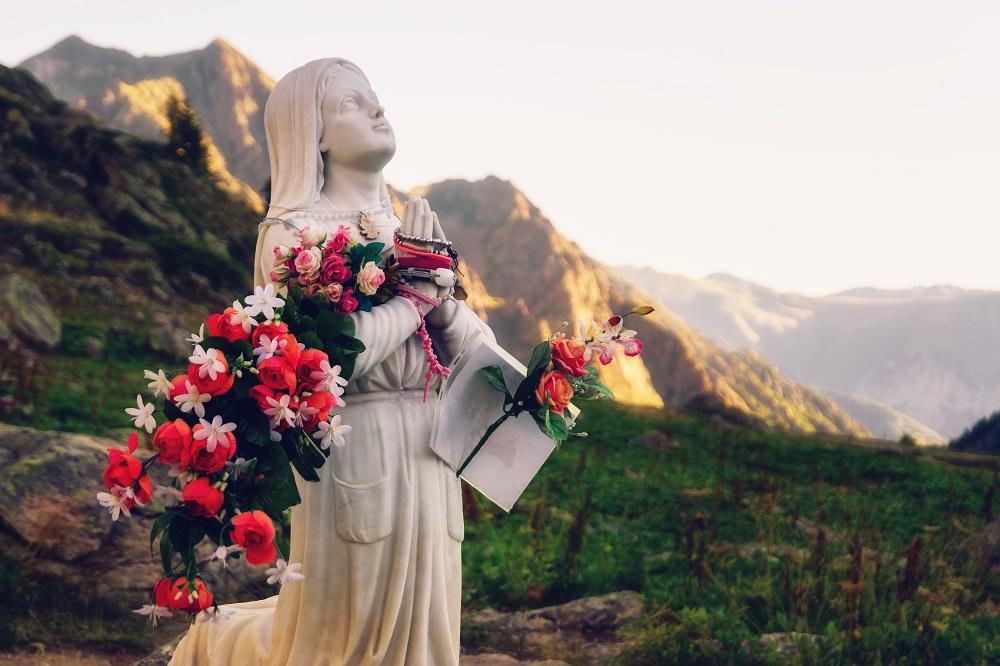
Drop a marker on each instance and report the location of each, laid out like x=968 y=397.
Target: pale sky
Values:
x=811 y=146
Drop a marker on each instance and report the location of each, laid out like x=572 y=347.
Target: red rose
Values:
x=261 y=393
x=277 y=374
x=321 y=401
x=178 y=386
x=254 y=531
x=210 y=461
x=172 y=440
x=270 y=329
x=123 y=470
x=201 y=499
x=221 y=325
x=334 y=269
x=309 y=362
x=560 y=392
x=143 y=491
x=223 y=380
x=289 y=348
x=568 y=355
x=337 y=243
x=348 y=303
x=177 y=594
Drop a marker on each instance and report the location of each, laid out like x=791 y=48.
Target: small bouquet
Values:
x=257 y=400
x=558 y=372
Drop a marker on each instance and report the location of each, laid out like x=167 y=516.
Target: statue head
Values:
x=322 y=113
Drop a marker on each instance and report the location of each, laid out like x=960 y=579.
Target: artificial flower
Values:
x=370 y=278
x=284 y=572
x=143 y=415
x=215 y=433
x=203 y=499
x=254 y=531
x=263 y=301
x=159 y=384
x=332 y=432
x=172 y=440
x=554 y=387
x=192 y=399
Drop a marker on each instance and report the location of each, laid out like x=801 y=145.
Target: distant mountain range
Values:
x=101 y=205
x=129 y=93
x=929 y=353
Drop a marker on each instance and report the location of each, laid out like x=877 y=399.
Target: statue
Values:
x=379 y=536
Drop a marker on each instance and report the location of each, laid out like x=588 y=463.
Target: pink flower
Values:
x=348 y=303
x=341 y=240
x=334 y=270
x=308 y=263
x=370 y=278
x=333 y=291
x=310 y=236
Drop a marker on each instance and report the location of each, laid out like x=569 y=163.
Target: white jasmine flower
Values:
x=241 y=317
x=215 y=615
x=237 y=467
x=154 y=612
x=116 y=501
x=143 y=415
x=222 y=552
x=328 y=379
x=332 y=432
x=284 y=572
x=280 y=411
x=266 y=348
x=171 y=496
x=183 y=476
x=199 y=337
x=192 y=400
x=305 y=411
x=214 y=432
x=160 y=383
x=209 y=362
x=263 y=300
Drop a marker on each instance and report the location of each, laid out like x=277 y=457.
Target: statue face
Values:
x=355 y=131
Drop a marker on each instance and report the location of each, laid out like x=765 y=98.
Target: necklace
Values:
x=363 y=218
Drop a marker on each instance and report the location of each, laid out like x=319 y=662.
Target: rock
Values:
x=5 y=332
x=654 y=439
x=93 y=347
x=161 y=655
x=27 y=312
x=167 y=336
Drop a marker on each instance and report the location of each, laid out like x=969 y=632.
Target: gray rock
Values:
x=161 y=655
x=93 y=347
x=167 y=336
x=28 y=313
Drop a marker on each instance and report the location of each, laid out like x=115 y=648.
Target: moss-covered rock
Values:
x=28 y=312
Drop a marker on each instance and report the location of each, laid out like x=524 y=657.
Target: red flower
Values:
x=337 y=243
x=223 y=380
x=348 y=303
x=201 y=499
x=334 y=269
x=123 y=470
x=210 y=461
x=254 y=531
x=178 y=386
x=289 y=348
x=143 y=491
x=309 y=362
x=261 y=393
x=277 y=374
x=177 y=594
x=560 y=392
x=172 y=440
x=568 y=355
x=270 y=329
x=221 y=325
x=321 y=401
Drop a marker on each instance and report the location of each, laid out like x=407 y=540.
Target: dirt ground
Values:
x=39 y=655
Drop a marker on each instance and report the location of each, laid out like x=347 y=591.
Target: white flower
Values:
x=171 y=496
x=305 y=411
x=263 y=300
x=183 y=476
x=154 y=612
x=237 y=467
x=332 y=432
x=328 y=379
x=197 y=338
x=274 y=436
x=214 y=432
x=266 y=348
x=280 y=411
x=192 y=400
x=241 y=317
x=284 y=572
x=222 y=552
x=160 y=383
x=310 y=236
x=116 y=501
x=208 y=362
x=215 y=615
x=143 y=416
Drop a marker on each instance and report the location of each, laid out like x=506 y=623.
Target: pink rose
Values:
x=370 y=278
x=333 y=291
x=334 y=270
x=348 y=303
x=308 y=263
x=310 y=236
x=340 y=240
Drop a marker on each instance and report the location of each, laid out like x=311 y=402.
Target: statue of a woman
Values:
x=379 y=536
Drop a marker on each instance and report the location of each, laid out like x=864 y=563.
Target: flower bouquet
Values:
x=557 y=373
x=257 y=400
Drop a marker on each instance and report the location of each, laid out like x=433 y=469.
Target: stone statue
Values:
x=379 y=536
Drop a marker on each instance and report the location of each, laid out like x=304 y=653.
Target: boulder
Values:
x=28 y=313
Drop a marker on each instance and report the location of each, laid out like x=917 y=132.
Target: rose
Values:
x=321 y=401
x=210 y=461
x=569 y=355
x=271 y=329
x=348 y=303
x=172 y=440
x=308 y=263
x=558 y=389
x=223 y=380
x=310 y=236
x=309 y=362
x=289 y=347
x=276 y=374
x=176 y=594
x=334 y=270
x=201 y=499
x=370 y=278
x=261 y=393
x=222 y=325
x=254 y=531
x=339 y=241
x=333 y=291
x=178 y=386
x=122 y=470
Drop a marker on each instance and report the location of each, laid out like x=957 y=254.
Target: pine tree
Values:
x=185 y=135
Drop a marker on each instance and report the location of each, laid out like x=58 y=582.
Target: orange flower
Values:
x=554 y=385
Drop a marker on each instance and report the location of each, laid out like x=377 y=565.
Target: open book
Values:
x=514 y=452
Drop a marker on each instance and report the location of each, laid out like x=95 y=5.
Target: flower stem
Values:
x=489 y=431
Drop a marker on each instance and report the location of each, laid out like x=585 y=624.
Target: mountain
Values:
x=129 y=93
x=926 y=352
x=538 y=279
x=981 y=437
x=884 y=421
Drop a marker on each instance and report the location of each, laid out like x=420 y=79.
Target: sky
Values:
x=807 y=145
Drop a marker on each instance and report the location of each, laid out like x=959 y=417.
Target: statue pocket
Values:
x=456 y=520
x=364 y=513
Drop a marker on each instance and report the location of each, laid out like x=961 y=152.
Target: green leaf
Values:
x=557 y=428
x=331 y=324
x=602 y=389
x=306 y=323
x=159 y=525
x=166 y=553
x=541 y=356
x=305 y=470
x=310 y=340
x=494 y=375
x=252 y=425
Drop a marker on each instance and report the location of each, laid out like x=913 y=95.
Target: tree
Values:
x=185 y=135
